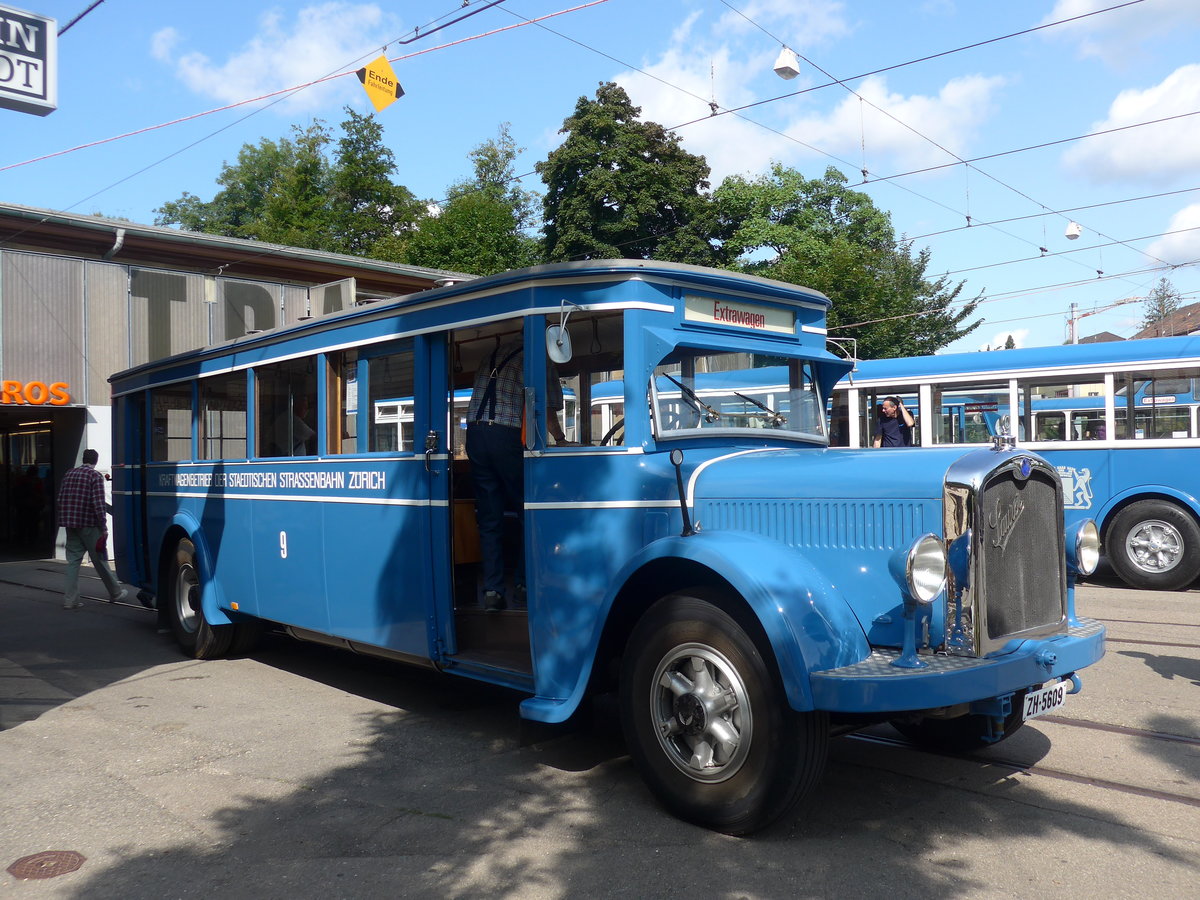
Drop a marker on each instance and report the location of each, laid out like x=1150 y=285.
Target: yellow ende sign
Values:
x=380 y=83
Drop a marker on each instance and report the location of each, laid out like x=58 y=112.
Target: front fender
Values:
x=1147 y=492
x=807 y=621
x=211 y=596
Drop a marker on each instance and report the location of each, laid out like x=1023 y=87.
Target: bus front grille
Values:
x=1014 y=585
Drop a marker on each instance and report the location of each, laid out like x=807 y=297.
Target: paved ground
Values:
x=304 y=772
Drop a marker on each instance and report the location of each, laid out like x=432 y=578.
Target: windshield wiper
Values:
x=710 y=414
x=775 y=418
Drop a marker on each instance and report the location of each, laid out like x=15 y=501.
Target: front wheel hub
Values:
x=701 y=713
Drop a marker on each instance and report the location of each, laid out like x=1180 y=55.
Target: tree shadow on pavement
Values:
x=438 y=797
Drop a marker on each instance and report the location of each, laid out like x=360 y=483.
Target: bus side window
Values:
x=286 y=404
x=592 y=380
x=171 y=423
x=341 y=401
x=390 y=397
x=223 y=416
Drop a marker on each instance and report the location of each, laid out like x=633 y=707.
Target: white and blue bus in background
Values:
x=695 y=547
x=1118 y=420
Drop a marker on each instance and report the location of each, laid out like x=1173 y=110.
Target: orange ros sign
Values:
x=34 y=393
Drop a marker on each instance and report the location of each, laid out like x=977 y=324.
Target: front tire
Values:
x=196 y=636
x=1154 y=545
x=707 y=720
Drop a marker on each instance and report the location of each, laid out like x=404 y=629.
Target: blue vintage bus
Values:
x=694 y=548
x=1119 y=421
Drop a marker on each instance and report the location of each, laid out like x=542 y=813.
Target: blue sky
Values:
x=1135 y=191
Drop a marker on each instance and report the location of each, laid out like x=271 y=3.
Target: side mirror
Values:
x=558 y=344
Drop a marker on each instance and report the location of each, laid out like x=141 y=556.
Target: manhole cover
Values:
x=47 y=864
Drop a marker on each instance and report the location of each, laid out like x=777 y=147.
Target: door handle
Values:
x=431 y=447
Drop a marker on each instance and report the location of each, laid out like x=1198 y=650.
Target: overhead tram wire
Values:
x=1010 y=295
x=717 y=111
x=939 y=146
x=289 y=90
x=69 y=25
x=1046 y=211
x=280 y=96
x=1054 y=212
x=1111 y=243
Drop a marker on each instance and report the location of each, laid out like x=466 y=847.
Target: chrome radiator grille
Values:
x=1012 y=582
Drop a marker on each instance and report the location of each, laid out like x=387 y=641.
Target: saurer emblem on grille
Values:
x=1004 y=520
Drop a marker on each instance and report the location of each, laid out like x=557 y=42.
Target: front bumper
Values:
x=874 y=685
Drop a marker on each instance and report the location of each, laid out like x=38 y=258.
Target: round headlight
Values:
x=926 y=569
x=1087 y=548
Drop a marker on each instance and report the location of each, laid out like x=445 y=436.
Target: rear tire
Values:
x=1155 y=545
x=196 y=636
x=707 y=721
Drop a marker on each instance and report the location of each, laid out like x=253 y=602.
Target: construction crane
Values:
x=1073 y=316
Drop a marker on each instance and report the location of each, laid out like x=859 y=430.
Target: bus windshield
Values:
x=703 y=391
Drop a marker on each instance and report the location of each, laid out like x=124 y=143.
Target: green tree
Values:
x=369 y=210
x=235 y=210
x=1010 y=344
x=482 y=226
x=1161 y=303
x=819 y=233
x=291 y=192
x=621 y=187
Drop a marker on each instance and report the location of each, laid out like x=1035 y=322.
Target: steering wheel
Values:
x=609 y=435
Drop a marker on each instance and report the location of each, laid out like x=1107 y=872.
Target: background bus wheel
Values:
x=707 y=721
x=195 y=635
x=1154 y=544
x=961 y=735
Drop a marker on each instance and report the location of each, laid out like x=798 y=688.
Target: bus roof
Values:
x=1034 y=361
x=468 y=294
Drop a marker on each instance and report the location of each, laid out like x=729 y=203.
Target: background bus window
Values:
x=870 y=409
x=171 y=426
x=286 y=405
x=593 y=379
x=1049 y=426
x=1159 y=403
x=223 y=416
x=1064 y=410
x=341 y=401
x=972 y=413
x=390 y=399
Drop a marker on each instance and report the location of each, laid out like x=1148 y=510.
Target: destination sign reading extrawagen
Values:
x=740 y=315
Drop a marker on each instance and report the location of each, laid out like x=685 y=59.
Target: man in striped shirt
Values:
x=84 y=514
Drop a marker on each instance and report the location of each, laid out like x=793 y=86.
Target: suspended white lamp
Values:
x=1074 y=230
x=787 y=66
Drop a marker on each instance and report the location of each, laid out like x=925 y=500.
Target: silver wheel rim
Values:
x=701 y=713
x=1154 y=546
x=187 y=595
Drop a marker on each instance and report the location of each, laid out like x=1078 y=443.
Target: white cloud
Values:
x=895 y=130
x=1183 y=246
x=1119 y=37
x=163 y=43
x=323 y=39
x=731 y=66
x=797 y=23
x=1156 y=153
x=1000 y=338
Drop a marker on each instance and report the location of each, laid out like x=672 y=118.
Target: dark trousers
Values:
x=496 y=458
